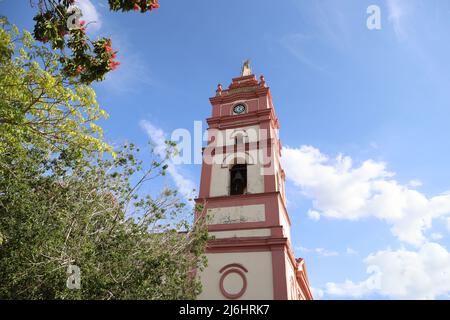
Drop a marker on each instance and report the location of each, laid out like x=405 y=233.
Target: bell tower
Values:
x=243 y=199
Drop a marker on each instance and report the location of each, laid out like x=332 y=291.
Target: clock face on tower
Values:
x=239 y=108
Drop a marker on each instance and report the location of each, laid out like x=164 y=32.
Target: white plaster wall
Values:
x=259 y=276
x=238 y=214
x=220 y=181
x=226 y=137
x=291 y=274
x=284 y=221
x=255 y=180
x=241 y=233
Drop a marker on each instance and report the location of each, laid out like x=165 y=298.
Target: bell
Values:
x=238 y=176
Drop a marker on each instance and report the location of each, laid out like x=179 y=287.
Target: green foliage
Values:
x=56 y=212
x=136 y=5
x=38 y=105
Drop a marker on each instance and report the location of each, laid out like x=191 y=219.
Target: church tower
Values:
x=243 y=199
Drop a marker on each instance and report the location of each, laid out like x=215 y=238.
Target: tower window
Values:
x=238 y=179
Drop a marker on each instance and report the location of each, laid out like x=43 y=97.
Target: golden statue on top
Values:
x=246 y=70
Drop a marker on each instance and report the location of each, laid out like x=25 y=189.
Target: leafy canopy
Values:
x=89 y=213
x=59 y=23
x=38 y=104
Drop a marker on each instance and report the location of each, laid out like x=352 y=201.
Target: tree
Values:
x=38 y=104
x=58 y=22
x=57 y=212
x=64 y=202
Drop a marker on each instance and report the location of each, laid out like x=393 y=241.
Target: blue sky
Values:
x=366 y=111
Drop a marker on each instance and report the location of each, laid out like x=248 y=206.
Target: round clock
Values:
x=239 y=108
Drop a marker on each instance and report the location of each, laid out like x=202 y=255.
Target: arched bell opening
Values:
x=238 y=179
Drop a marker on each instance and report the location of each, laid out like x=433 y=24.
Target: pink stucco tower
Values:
x=243 y=198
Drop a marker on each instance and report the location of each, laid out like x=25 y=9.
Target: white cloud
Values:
x=351 y=251
x=326 y=253
x=341 y=191
x=185 y=186
x=90 y=15
x=401 y=274
x=319 y=251
x=398 y=10
x=347 y=289
x=436 y=236
x=317 y=293
x=415 y=183
x=314 y=215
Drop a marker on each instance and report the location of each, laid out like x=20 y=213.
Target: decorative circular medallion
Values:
x=227 y=274
x=239 y=108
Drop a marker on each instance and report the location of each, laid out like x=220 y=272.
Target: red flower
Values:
x=113 y=55
x=113 y=65
x=153 y=5
x=136 y=7
x=82 y=23
x=79 y=69
x=108 y=48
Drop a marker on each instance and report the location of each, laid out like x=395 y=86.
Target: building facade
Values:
x=243 y=199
